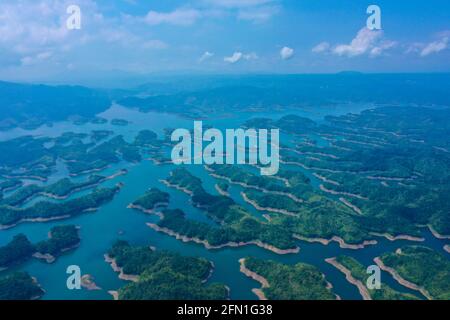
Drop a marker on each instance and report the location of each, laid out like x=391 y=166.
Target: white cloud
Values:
x=435 y=47
x=30 y=60
x=180 y=17
x=366 y=42
x=383 y=46
x=260 y=14
x=321 y=47
x=426 y=49
x=205 y=56
x=362 y=43
x=286 y=53
x=234 y=58
x=237 y=56
x=232 y=4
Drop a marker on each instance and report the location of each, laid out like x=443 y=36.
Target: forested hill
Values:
x=29 y=106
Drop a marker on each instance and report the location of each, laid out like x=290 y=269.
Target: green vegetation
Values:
x=164 y=275
x=152 y=199
x=49 y=210
x=60 y=189
x=19 y=286
x=315 y=217
x=15 y=252
x=61 y=239
x=297 y=282
x=30 y=106
x=423 y=267
x=358 y=271
x=237 y=224
x=20 y=249
x=393 y=164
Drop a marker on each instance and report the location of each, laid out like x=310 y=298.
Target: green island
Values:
x=19 y=286
x=388 y=166
x=58 y=190
x=151 y=200
x=358 y=275
x=46 y=211
x=313 y=217
x=35 y=158
x=61 y=239
x=237 y=226
x=419 y=268
x=20 y=249
x=161 y=275
x=287 y=282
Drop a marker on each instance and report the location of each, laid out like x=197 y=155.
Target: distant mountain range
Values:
x=30 y=106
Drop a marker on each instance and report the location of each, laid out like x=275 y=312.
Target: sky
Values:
x=140 y=37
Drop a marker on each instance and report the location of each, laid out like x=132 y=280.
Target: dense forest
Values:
x=164 y=275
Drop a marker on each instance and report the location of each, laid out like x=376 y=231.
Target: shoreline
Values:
x=351 y=206
x=49 y=258
x=253 y=275
x=9 y=226
x=340 y=241
x=40 y=219
x=228 y=244
x=116 y=268
x=88 y=186
x=115 y=294
x=324 y=179
x=242 y=184
x=149 y=211
x=398 y=237
x=436 y=234
x=221 y=191
x=401 y=280
x=177 y=187
x=259 y=208
x=336 y=193
x=349 y=277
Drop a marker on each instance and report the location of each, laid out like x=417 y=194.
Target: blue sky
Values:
x=220 y=36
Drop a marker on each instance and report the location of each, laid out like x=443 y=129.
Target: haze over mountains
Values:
x=30 y=105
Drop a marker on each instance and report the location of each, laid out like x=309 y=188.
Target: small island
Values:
x=20 y=249
x=20 y=286
x=152 y=200
x=17 y=251
x=61 y=239
x=46 y=211
x=161 y=275
x=285 y=282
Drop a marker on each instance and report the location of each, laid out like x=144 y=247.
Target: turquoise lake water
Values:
x=100 y=229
